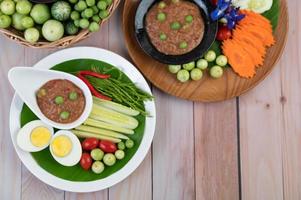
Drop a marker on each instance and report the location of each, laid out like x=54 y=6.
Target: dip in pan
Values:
x=175 y=27
x=61 y=101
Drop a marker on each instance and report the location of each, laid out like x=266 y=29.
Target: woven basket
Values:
x=17 y=36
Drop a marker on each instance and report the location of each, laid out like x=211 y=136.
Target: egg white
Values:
x=76 y=152
x=23 y=136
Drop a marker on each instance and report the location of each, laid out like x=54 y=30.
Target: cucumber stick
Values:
x=116 y=107
x=115 y=118
x=101 y=131
x=84 y=134
x=104 y=125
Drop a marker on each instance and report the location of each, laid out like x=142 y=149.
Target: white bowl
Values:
x=27 y=80
x=150 y=122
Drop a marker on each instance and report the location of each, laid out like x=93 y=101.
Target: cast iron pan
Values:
x=145 y=43
x=42 y=1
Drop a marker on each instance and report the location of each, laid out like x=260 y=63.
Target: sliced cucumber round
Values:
x=260 y=6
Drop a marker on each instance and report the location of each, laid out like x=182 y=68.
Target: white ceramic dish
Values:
x=26 y=81
x=133 y=74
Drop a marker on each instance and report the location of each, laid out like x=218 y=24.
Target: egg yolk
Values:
x=61 y=146
x=40 y=136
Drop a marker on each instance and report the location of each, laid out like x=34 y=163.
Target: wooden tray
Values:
x=207 y=89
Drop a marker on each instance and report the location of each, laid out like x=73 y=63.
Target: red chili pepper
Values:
x=94 y=74
x=92 y=89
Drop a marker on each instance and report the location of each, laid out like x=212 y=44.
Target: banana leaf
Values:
x=76 y=173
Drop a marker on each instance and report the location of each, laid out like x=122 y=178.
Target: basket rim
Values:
x=66 y=41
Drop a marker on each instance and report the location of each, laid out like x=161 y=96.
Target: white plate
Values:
x=133 y=74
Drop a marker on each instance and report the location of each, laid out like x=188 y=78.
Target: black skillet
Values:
x=42 y=1
x=145 y=43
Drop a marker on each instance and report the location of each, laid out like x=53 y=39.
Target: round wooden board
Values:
x=207 y=89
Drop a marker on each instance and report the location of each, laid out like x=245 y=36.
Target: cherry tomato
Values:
x=214 y=2
x=89 y=144
x=86 y=161
x=107 y=146
x=223 y=33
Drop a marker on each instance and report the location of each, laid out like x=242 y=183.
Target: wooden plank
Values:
x=99 y=39
x=139 y=185
x=30 y=183
x=260 y=140
x=216 y=154
x=173 y=149
x=291 y=102
x=10 y=167
x=101 y=195
x=32 y=188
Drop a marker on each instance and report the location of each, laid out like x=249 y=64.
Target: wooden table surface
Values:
x=245 y=148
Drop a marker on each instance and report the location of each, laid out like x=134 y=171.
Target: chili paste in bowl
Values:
x=175 y=28
x=175 y=31
x=61 y=101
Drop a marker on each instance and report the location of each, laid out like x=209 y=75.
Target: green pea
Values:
x=73 y=1
x=102 y=5
x=109 y=159
x=88 y=12
x=196 y=74
x=76 y=22
x=64 y=115
x=32 y=35
x=163 y=36
x=59 y=100
x=5 y=21
x=27 y=22
x=82 y=14
x=189 y=66
x=8 y=7
x=74 y=15
x=104 y=14
x=161 y=16
x=189 y=18
x=175 y=25
x=80 y=6
x=183 y=75
x=94 y=27
x=97 y=154
x=210 y=56
x=174 y=68
x=121 y=145
x=216 y=71
x=109 y=2
x=96 y=18
x=95 y=9
x=162 y=5
x=72 y=96
x=183 y=45
x=84 y=23
x=202 y=64
x=175 y=1
x=90 y=3
x=129 y=143
x=119 y=154
x=97 y=167
x=221 y=60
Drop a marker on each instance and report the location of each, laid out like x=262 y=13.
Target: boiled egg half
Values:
x=65 y=148
x=34 y=136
